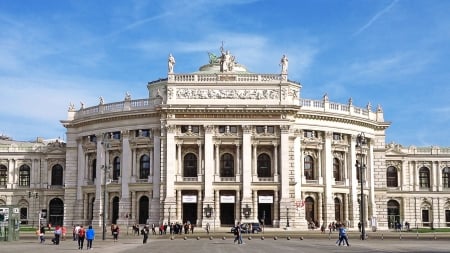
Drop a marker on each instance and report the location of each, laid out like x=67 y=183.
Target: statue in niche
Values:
x=171 y=63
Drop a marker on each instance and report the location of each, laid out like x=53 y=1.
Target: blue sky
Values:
x=387 y=52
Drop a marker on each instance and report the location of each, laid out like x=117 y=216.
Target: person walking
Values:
x=343 y=235
x=42 y=233
x=81 y=237
x=115 y=232
x=90 y=236
x=145 y=232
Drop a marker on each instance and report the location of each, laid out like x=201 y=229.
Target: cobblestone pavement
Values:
x=223 y=242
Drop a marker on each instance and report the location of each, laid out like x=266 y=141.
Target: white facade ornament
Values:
x=187 y=93
x=227 y=61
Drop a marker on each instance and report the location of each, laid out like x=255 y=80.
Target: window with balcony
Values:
x=190 y=165
x=227 y=165
x=24 y=175
x=57 y=175
x=391 y=177
x=3 y=175
x=424 y=177
x=308 y=165
x=116 y=168
x=264 y=166
x=144 y=167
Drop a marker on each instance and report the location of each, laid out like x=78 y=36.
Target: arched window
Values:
x=143 y=209
x=446 y=177
x=116 y=168
x=391 y=177
x=57 y=175
x=227 y=165
x=190 y=165
x=337 y=170
x=144 y=167
x=3 y=175
x=24 y=175
x=309 y=167
x=337 y=209
x=424 y=177
x=264 y=166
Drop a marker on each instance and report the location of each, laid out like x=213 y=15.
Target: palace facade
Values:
x=222 y=145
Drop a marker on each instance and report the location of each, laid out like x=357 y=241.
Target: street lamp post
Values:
x=105 y=172
x=104 y=206
x=360 y=141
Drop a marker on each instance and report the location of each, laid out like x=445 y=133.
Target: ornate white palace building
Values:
x=223 y=145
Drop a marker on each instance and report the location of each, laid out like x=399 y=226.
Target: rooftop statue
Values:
x=227 y=61
x=213 y=58
x=284 y=64
x=171 y=63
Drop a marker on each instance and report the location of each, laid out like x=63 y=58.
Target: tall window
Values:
x=309 y=210
x=190 y=165
x=57 y=175
x=424 y=177
x=3 y=175
x=264 y=168
x=337 y=209
x=227 y=165
x=391 y=177
x=116 y=168
x=144 y=167
x=446 y=177
x=337 y=170
x=94 y=169
x=309 y=167
x=24 y=175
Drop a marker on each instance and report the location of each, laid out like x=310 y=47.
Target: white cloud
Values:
x=375 y=18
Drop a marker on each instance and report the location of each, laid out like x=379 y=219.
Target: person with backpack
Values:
x=81 y=236
x=90 y=235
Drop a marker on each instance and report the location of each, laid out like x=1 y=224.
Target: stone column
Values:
x=246 y=164
x=354 y=216
x=209 y=165
x=126 y=169
x=275 y=162
x=328 y=179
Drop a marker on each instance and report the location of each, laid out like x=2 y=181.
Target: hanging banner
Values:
x=189 y=198
x=265 y=199
x=227 y=199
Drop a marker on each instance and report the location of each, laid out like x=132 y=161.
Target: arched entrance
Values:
x=56 y=212
x=115 y=210
x=143 y=209
x=309 y=210
x=393 y=213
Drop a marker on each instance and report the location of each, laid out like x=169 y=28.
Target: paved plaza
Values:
x=223 y=242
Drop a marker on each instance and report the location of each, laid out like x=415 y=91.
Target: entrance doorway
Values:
x=190 y=213
x=265 y=213
x=227 y=214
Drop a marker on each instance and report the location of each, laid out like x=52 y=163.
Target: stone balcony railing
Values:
x=227 y=77
x=343 y=109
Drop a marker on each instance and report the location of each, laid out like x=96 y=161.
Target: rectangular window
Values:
x=195 y=129
x=222 y=129
x=308 y=134
x=337 y=136
x=233 y=129
x=270 y=129
x=116 y=135
x=259 y=129
x=143 y=133
x=184 y=129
